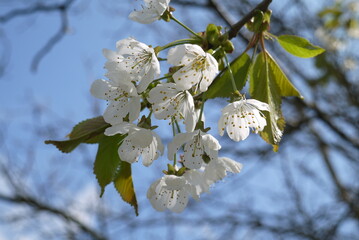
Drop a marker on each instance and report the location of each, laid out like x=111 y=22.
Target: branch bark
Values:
x=263 y=6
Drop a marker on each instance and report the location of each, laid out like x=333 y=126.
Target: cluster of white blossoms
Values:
x=133 y=84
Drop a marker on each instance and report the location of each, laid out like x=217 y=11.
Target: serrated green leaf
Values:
x=222 y=86
x=124 y=185
x=88 y=131
x=286 y=88
x=263 y=87
x=299 y=46
x=107 y=160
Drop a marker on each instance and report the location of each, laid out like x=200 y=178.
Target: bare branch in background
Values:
x=62 y=9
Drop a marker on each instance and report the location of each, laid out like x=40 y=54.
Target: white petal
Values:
x=134 y=106
x=141 y=138
x=258 y=104
x=109 y=54
x=193 y=153
x=177 y=142
x=179 y=201
x=214 y=171
x=210 y=142
x=122 y=128
x=174 y=182
x=186 y=77
x=100 y=88
x=231 y=165
x=221 y=124
x=115 y=112
x=197 y=183
x=189 y=112
x=128 y=152
x=179 y=55
x=210 y=73
x=156 y=195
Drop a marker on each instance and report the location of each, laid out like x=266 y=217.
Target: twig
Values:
x=50 y=209
x=62 y=8
x=51 y=42
x=263 y=6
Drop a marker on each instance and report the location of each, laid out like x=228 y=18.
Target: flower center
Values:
x=199 y=64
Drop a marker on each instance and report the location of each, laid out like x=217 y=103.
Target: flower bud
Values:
x=213 y=33
x=228 y=46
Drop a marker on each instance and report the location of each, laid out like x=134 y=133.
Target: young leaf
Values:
x=88 y=131
x=222 y=86
x=263 y=87
x=124 y=185
x=107 y=160
x=286 y=88
x=299 y=46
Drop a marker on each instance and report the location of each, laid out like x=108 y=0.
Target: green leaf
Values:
x=299 y=46
x=88 y=131
x=107 y=160
x=124 y=185
x=285 y=86
x=222 y=86
x=264 y=87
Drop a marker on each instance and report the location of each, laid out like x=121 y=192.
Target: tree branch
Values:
x=29 y=201
x=263 y=6
x=62 y=8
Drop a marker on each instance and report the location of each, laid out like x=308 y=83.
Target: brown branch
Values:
x=343 y=192
x=51 y=42
x=263 y=6
x=221 y=12
x=29 y=201
x=34 y=9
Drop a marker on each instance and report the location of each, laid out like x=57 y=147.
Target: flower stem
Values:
x=161 y=78
x=177 y=42
x=202 y=107
x=174 y=134
x=178 y=127
x=230 y=73
x=254 y=51
x=185 y=27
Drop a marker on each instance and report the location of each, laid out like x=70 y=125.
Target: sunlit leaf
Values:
x=222 y=85
x=299 y=46
x=285 y=86
x=88 y=131
x=124 y=185
x=263 y=87
x=107 y=160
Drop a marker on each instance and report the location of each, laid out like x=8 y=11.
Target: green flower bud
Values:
x=171 y=169
x=206 y=158
x=181 y=171
x=228 y=46
x=213 y=33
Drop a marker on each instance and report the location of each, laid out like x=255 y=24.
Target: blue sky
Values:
x=61 y=87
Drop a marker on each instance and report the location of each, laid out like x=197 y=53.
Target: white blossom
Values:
x=138 y=142
x=198 y=183
x=136 y=59
x=152 y=11
x=238 y=117
x=170 y=101
x=198 y=67
x=122 y=99
x=197 y=145
x=170 y=192
x=217 y=169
